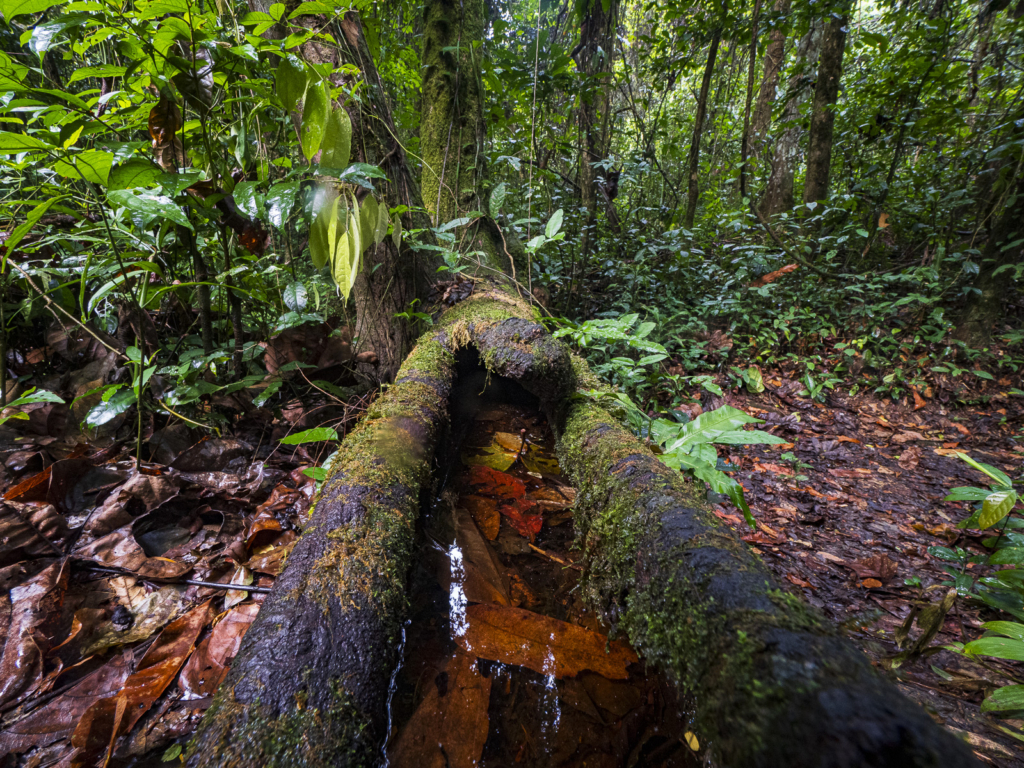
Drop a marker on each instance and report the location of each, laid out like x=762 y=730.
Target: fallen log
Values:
x=771 y=682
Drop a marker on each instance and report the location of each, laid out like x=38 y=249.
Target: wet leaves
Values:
x=208 y=666
x=449 y=728
x=541 y=643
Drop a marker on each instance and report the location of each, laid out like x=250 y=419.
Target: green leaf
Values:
x=396 y=233
x=314 y=119
x=998 y=647
x=109 y=409
x=755 y=383
x=725 y=418
x=280 y=201
x=31 y=219
x=337 y=143
x=497 y=199
x=294 y=296
x=246 y=198
x=743 y=437
x=984 y=375
x=16 y=143
x=381 y=230
x=291 y=81
x=149 y=205
x=104 y=70
x=1008 y=628
x=12 y=8
x=997 y=475
x=137 y=172
x=968 y=493
x=995 y=507
x=318 y=435
x=1007 y=556
x=93 y=165
x=321 y=249
x=368 y=221
x=554 y=224
x=313 y=9
x=1008 y=697
x=345 y=264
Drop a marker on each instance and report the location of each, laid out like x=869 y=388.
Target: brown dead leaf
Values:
x=57 y=719
x=919 y=402
x=871 y=583
x=799 y=581
x=108 y=718
x=449 y=727
x=485 y=513
x=845 y=439
x=907 y=436
x=771 y=277
x=36 y=528
x=877 y=567
x=26 y=614
x=545 y=645
x=120 y=550
x=910 y=457
x=483 y=577
x=207 y=667
x=948 y=452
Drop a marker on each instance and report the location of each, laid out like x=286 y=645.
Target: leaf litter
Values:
x=503 y=664
x=111 y=647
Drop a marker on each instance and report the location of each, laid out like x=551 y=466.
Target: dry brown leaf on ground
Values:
x=449 y=727
x=110 y=717
x=484 y=578
x=877 y=567
x=206 y=668
x=910 y=457
x=545 y=645
x=25 y=614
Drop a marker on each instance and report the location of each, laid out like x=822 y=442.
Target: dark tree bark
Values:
x=595 y=58
x=698 y=129
x=752 y=67
x=774 y=54
x=984 y=305
x=826 y=92
x=779 y=195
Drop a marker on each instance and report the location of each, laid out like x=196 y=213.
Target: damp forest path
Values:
x=503 y=664
x=849 y=514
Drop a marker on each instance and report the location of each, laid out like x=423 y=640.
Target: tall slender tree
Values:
x=826 y=92
x=693 y=189
x=774 y=54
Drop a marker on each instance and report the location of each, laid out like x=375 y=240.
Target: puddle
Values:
x=502 y=663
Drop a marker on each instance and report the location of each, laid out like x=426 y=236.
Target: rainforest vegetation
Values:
x=499 y=382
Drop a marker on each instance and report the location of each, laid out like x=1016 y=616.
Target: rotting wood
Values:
x=771 y=681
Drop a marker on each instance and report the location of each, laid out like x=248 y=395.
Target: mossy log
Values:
x=771 y=682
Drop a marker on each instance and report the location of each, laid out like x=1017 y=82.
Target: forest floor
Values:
x=850 y=522
x=99 y=564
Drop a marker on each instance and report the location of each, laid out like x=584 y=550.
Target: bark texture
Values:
x=779 y=195
x=774 y=53
x=693 y=190
x=826 y=92
x=772 y=682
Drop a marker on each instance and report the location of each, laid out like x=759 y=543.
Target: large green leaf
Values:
x=381 y=230
x=497 y=199
x=368 y=220
x=292 y=80
x=149 y=205
x=995 y=507
x=314 y=119
x=93 y=165
x=31 y=219
x=999 y=647
x=1009 y=697
x=718 y=480
x=12 y=8
x=1008 y=628
x=16 y=143
x=967 y=493
x=345 y=264
x=294 y=296
x=137 y=172
x=318 y=435
x=337 y=146
x=710 y=424
x=743 y=437
x=280 y=201
x=319 y=244
x=996 y=474
x=554 y=224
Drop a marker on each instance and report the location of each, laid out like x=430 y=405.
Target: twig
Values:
x=555 y=558
x=191 y=582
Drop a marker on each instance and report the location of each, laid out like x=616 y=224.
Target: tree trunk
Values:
x=826 y=92
x=774 y=55
x=984 y=306
x=698 y=129
x=594 y=60
x=779 y=195
x=752 y=66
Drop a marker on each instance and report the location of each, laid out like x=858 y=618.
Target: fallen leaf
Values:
x=919 y=402
x=798 y=581
x=545 y=645
x=243 y=577
x=26 y=614
x=910 y=457
x=519 y=517
x=907 y=436
x=771 y=277
x=691 y=741
x=485 y=513
x=57 y=719
x=538 y=460
x=38 y=529
x=207 y=667
x=960 y=428
x=108 y=718
x=871 y=583
x=949 y=452
x=482 y=575
x=491 y=482
x=499 y=454
x=149 y=614
x=120 y=550
x=449 y=727
x=272 y=561
x=845 y=439
x=877 y=567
